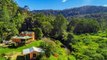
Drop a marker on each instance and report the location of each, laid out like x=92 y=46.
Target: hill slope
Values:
x=75 y=11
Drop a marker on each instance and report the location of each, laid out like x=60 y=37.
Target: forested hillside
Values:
x=11 y=18
x=75 y=11
x=82 y=36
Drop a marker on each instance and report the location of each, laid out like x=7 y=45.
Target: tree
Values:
x=60 y=25
x=38 y=33
x=18 y=19
x=7 y=27
x=72 y=24
x=26 y=25
x=47 y=28
x=86 y=26
x=49 y=47
x=4 y=14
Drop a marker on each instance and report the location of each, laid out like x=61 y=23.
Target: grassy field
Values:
x=17 y=51
x=12 y=51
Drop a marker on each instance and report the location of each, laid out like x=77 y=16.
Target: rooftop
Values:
x=22 y=37
x=32 y=49
x=26 y=32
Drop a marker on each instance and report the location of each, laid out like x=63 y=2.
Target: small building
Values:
x=20 y=39
x=31 y=53
x=24 y=37
x=30 y=34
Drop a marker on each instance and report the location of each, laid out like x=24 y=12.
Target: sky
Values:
x=58 y=4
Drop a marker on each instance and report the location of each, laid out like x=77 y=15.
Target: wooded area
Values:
x=85 y=38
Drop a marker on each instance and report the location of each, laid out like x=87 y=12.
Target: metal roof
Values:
x=27 y=32
x=22 y=37
x=32 y=49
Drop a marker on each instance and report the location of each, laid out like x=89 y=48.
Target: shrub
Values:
x=98 y=57
x=38 y=33
x=86 y=26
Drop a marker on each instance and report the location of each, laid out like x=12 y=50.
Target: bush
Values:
x=20 y=58
x=49 y=47
x=98 y=57
x=38 y=33
x=71 y=57
x=104 y=53
x=86 y=26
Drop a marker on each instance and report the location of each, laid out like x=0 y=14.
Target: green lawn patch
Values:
x=19 y=49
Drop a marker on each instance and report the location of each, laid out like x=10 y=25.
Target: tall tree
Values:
x=60 y=25
x=86 y=26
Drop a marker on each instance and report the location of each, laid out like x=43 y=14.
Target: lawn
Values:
x=19 y=49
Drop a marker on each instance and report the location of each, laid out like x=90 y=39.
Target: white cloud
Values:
x=64 y=0
x=105 y=5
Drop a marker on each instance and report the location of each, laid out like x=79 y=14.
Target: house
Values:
x=31 y=53
x=30 y=34
x=24 y=37
x=20 y=39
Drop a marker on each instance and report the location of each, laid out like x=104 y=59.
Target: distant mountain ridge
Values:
x=75 y=11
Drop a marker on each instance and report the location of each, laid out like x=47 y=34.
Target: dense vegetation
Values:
x=75 y=11
x=76 y=38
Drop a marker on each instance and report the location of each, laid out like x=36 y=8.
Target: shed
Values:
x=31 y=53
